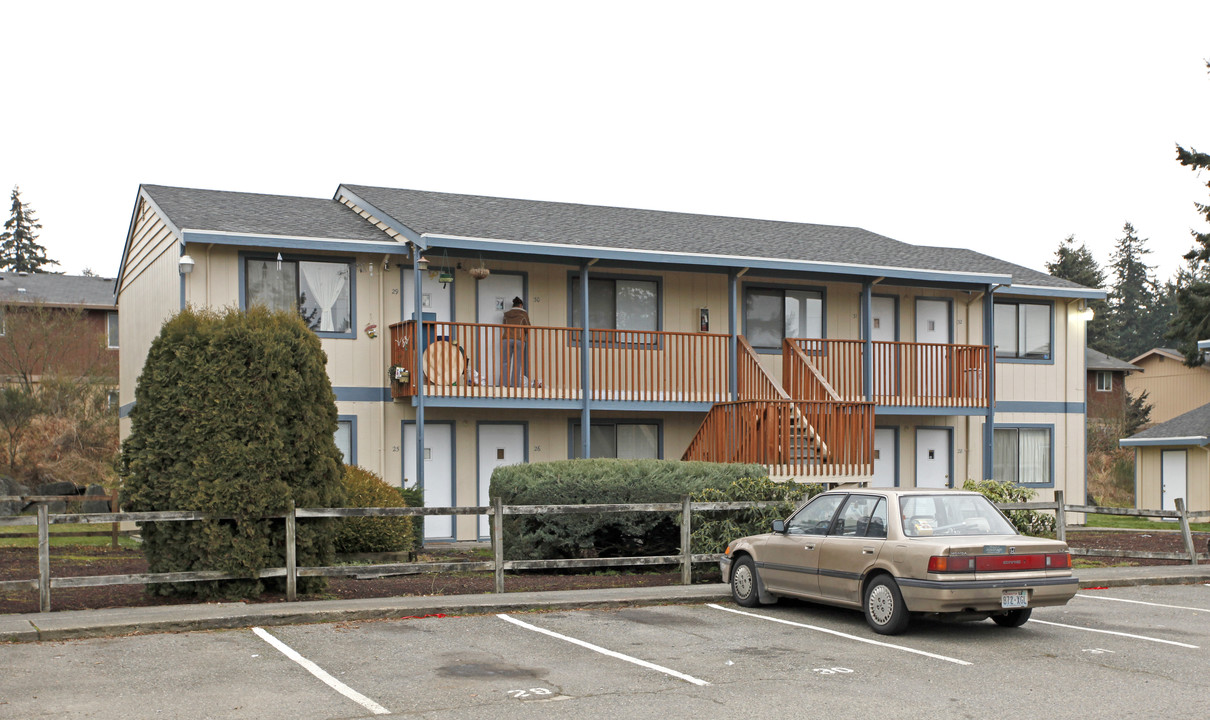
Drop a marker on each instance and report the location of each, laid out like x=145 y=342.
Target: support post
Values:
x=291 y=554
x=867 y=333
x=498 y=541
x=733 y=341
x=43 y=558
x=1060 y=517
x=1185 y=533
x=585 y=368
x=418 y=316
x=989 y=421
x=686 y=549
x=113 y=528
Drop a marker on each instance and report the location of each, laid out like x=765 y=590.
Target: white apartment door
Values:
x=1174 y=482
x=435 y=298
x=495 y=297
x=886 y=357
x=499 y=444
x=932 y=458
x=886 y=458
x=438 y=475
x=932 y=363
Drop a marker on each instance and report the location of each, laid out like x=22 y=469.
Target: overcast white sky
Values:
x=1003 y=127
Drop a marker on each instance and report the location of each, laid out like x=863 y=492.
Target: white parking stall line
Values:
x=319 y=672
x=1115 y=632
x=1141 y=602
x=604 y=651
x=935 y=656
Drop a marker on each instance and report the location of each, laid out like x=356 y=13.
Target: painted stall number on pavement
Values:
x=832 y=671
x=530 y=693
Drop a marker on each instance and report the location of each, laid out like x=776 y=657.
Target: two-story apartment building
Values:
x=826 y=353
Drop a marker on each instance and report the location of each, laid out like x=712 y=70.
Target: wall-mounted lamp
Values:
x=1086 y=312
x=185 y=264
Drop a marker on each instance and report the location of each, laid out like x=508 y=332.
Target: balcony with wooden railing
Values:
x=474 y=360
x=902 y=373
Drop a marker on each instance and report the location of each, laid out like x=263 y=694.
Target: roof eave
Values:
x=1183 y=441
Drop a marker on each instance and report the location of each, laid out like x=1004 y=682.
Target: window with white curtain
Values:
x=1022 y=455
x=1022 y=330
x=321 y=292
x=619 y=439
x=773 y=314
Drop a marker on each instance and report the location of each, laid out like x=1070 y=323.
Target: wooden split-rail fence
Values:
x=498 y=565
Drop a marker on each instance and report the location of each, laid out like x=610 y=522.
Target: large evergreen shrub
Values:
x=713 y=530
x=581 y=482
x=1027 y=522
x=234 y=416
x=364 y=489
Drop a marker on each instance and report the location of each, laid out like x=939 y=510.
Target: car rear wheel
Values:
x=1013 y=618
x=884 y=608
x=743 y=583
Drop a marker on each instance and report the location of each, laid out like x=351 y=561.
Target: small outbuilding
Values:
x=1172 y=460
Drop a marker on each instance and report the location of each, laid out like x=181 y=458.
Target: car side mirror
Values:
x=779 y=526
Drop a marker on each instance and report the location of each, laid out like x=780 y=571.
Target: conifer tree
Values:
x=1132 y=329
x=19 y=248
x=1192 y=319
x=1078 y=265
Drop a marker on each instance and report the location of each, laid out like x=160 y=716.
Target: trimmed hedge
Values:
x=1027 y=522
x=372 y=535
x=581 y=482
x=712 y=530
x=234 y=416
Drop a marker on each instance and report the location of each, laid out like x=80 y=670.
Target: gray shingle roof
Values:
x=1094 y=360
x=237 y=212
x=590 y=225
x=57 y=289
x=1194 y=423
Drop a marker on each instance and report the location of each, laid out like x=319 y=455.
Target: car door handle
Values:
x=867 y=551
x=810 y=546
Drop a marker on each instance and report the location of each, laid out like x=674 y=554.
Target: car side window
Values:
x=816 y=517
x=858 y=516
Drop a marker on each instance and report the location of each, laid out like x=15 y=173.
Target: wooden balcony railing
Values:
x=755 y=383
x=790 y=437
x=492 y=361
x=903 y=373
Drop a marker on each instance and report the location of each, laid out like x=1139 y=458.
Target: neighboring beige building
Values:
x=1172 y=460
x=826 y=353
x=1172 y=387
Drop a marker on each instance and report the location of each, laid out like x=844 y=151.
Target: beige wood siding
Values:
x=149 y=295
x=1172 y=388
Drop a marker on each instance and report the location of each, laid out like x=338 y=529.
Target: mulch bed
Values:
x=22 y=563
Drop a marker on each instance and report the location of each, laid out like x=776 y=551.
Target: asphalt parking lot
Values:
x=1141 y=650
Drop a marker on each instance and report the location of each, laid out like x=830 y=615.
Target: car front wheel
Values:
x=1013 y=618
x=743 y=583
x=884 y=608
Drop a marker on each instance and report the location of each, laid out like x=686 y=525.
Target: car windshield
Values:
x=928 y=515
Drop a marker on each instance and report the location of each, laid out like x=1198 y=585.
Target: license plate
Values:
x=1014 y=599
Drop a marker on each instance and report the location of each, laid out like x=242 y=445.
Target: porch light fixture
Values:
x=185 y=264
x=1086 y=312
x=423 y=263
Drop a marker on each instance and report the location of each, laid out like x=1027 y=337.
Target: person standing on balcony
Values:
x=514 y=355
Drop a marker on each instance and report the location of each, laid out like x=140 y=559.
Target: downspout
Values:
x=989 y=422
x=585 y=366
x=867 y=333
x=419 y=368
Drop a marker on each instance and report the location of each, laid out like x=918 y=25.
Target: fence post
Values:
x=686 y=550
x=1188 y=536
x=291 y=554
x=498 y=541
x=43 y=558
x=113 y=508
x=1060 y=517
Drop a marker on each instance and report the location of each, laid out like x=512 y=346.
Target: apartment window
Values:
x=1104 y=381
x=1023 y=455
x=320 y=291
x=772 y=314
x=111 y=327
x=619 y=439
x=344 y=440
x=620 y=303
x=111 y=399
x=1023 y=330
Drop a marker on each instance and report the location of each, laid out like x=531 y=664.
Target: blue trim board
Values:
x=1038 y=406
x=362 y=394
x=1052 y=292
x=1193 y=441
x=723 y=262
x=124 y=411
x=880 y=410
x=297 y=244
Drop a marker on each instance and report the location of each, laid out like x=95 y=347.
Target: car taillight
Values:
x=1058 y=560
x=951 y=563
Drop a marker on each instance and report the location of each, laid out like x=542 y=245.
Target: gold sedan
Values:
x=898 y=552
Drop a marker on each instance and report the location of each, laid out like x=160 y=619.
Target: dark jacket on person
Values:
x=516 y=316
